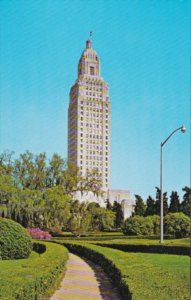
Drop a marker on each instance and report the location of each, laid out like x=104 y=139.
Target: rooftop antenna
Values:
x=91 y=33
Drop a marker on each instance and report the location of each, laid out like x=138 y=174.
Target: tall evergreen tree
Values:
x=174 y=203
x=185 y=206
x=150 y=207
x=118 y=214
x=108 y=205
x=165 y=202
x=140 y=206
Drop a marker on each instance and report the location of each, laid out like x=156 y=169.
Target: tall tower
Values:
x=89 y=118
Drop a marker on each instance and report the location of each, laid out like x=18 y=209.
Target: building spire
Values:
x=89 y=42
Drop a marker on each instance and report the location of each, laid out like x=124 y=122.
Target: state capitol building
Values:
x=89 y=127
x=89 y=118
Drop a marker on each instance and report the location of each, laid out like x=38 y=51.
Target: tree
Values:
x=8 y=195
x=185 y=206
x=91 y=182
x=57 y=205
x=150 y=207
x=140 y=206
x=139 y=225
x=80 y=218
x=55 y=171
x=71 y=179
x=101 y=218
x=117 y=209
x=165 y=202
x=177 y=224
x=6 y=163
x=174 y=203
x=109 y=205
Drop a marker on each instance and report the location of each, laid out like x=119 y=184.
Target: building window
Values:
x=91 y=70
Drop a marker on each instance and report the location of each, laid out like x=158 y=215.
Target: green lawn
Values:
x=150 y=276
x=119 y=237
x=20 y=278
x=144 y=241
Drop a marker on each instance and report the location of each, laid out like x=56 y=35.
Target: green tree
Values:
x=71 y=179
x=139 y=225
x=109 y=205
x=6 y=163
x=117 y=209
x=56 y=171
x=165 y=202
x=185 y=206
x=174 y=203
x=150 y=207
x=177 y=224
x=140 y=206
x=8 y=195
x=91 y=182
x=56 y=211
x=101 y=218
x=80 y=218
x=24 y=170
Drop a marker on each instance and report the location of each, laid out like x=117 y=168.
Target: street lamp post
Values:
x=183 y=129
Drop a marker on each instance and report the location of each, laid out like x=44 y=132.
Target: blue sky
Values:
x=144 y=51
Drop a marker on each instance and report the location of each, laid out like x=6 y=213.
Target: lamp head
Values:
x=183 y=129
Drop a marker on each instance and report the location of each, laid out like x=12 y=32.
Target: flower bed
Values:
x=37 y=233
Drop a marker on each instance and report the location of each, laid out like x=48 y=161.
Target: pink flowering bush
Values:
x=37 y=233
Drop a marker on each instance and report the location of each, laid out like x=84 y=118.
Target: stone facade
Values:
x=89 y=118
x=123 y=197
x=89 y=129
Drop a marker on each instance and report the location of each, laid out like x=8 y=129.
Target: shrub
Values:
x=163 y=249
x=15 y=242
x=95 y=254
x=140 y=275
x=37 y=233
x=36 y=277
x=139 y=225
x=177 y=224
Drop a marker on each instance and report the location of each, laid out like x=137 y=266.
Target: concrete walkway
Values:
x=85 y=281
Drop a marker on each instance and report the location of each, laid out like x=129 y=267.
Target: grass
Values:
x=20 y=278
x=150 y=276
x=146 y=241
x=119 y=237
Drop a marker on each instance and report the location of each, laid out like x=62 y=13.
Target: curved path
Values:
x=85 y=281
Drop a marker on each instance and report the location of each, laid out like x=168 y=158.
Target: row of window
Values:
x=94 y=165
x=100 y=153
x=97 y=120
x=96 y=108
x=94 y=136
x=92 y=142
x=92 y=103
x=94 y=88
x=94 y=148
x=93 y=82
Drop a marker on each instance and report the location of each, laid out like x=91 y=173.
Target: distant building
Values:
x=89 y=128
x=89 y=118
x=123 y=197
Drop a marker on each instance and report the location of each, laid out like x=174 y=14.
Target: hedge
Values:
x=36 y=277
x=162 y=249
x=107 y=265
x=39 y=248
x=139 y=275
